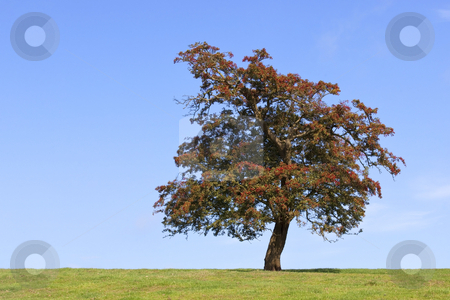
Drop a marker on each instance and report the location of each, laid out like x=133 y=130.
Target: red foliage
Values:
x=316 y=157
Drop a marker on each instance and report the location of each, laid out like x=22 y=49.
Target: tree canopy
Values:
x=275 y=152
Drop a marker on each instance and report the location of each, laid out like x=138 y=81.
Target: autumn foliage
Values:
x=313 y=160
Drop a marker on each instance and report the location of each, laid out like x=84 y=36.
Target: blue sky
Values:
x=87 y=134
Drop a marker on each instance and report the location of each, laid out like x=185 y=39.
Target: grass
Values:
x=225 y=284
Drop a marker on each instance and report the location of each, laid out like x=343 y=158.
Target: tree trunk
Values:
x=276 y=245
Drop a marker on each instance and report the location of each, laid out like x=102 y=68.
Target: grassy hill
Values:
x=225 y=284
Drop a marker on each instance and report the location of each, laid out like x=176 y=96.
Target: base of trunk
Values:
x=276 y=246
x=272 y=266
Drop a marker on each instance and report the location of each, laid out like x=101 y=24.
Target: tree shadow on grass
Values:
x=325 y=270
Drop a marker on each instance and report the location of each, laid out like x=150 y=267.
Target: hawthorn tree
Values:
x=315 y=158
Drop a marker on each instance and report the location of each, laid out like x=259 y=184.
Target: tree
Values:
x=315 y=158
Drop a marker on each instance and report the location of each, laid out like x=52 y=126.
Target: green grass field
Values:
x=225 y=284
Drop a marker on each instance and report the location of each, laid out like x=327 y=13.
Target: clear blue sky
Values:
x=87 y=134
